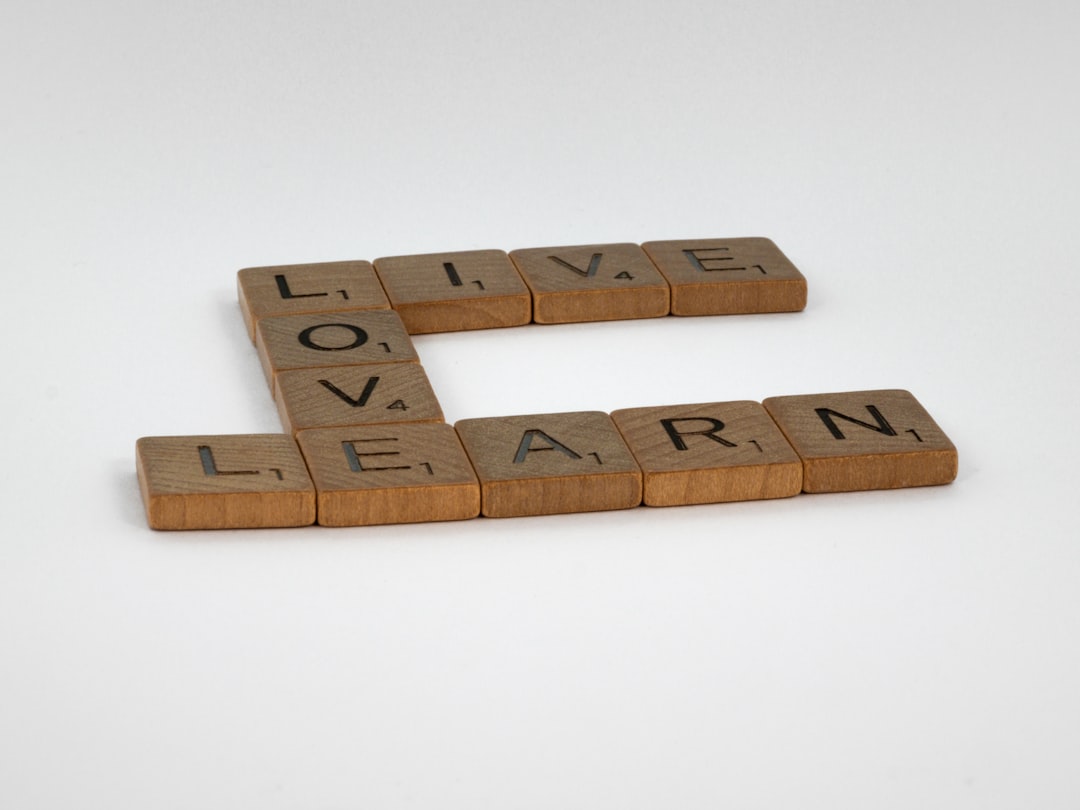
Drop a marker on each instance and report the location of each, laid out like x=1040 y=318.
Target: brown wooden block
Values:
x=864 y=440
x=551 y=463
x=355 y=395
x=224 y=482
x=332 y=339
x=592 y=283
x=728 y=276
x=710 y=453
x=294 y=289
x=453 y=292
x=407 y=473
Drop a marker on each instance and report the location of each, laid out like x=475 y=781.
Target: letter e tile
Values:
x=550 y=464
x=294 y=289
x=728 y=276
x=710 y=453
x=224 y=482
x=408 y=473
x=592 y=283
x=453 y=292
x=864 y=440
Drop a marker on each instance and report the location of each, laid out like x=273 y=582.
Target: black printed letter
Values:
x=360 y=401
x=827 y=415
x=709 y=433
x=359 y=337
x=283 y=288
x=525 y=447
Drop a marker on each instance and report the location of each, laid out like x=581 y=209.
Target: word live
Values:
x=365 y=442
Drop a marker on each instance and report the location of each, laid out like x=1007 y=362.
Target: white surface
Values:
x=917 y=648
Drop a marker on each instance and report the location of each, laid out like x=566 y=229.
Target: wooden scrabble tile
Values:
x=864 y=440
x=710 y=453
x=294 y=289
x=224 y=482
x=452 y=292
x=728 y=276
x=551 y=463
x=592 y=283
x=355 y=395
x=406 y=473
x=332 y=339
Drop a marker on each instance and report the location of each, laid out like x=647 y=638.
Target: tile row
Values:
x=541 y=464
x=483 y=289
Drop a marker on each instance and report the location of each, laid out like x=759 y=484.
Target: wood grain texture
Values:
x=294 y=289
x=332 y=339
x=355 y=395
x=861 y=440
x=406 y=473
x=453 y=292
x=551 y=463
x=224 y=482
x=728 y=276
x=592 y=283
x=709 y=453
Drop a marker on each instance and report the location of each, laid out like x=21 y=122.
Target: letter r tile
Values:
x=294 y=289
x=864 y=440
x=224 y=482
x=728 y=276
x=377 y=474
x=551 y=463
x=592 y=283
x=710 y=453
x=452 y=292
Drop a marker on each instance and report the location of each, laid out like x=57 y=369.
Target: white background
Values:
x=917 y=648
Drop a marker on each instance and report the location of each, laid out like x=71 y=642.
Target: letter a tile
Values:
x=294 y=289
x=728 y=276
x=390 y=474
x=592 y=283
x=710 y=453
x=453 y=292
x=551 y=463
x=355 y=395
x=332 y=339
x=224 y=482
x=864 y=440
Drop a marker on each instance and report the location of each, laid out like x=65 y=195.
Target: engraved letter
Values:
x=360 y=401
x=594 y=264
x=209 y=466
x=676 y=435
x=349 y=447
x=882 y=426
x=699 y=261
x=359 y=337
x=452 y=274
x=525 y=447
x=283 y=288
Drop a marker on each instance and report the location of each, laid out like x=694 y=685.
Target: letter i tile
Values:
x=224 y=482
x=710 y=453
x=551 y=463
x=407 y=473
x=864 y=440
x=453 y=292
